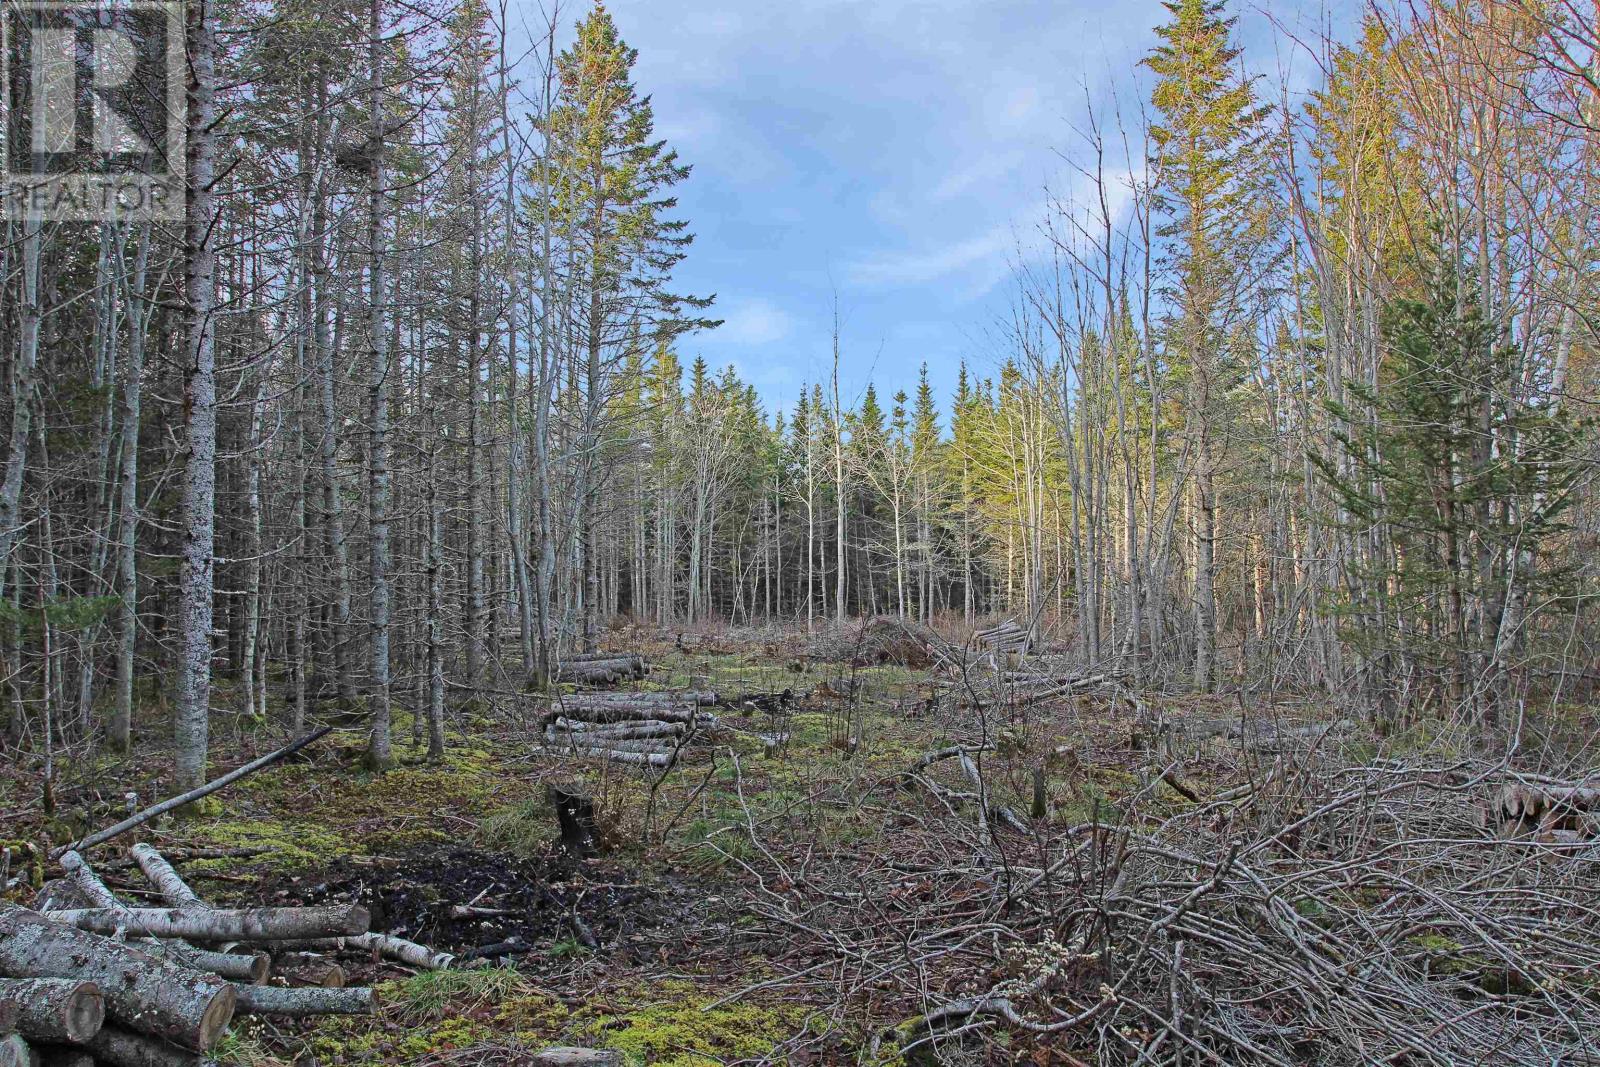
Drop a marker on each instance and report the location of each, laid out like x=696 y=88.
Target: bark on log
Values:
x=399 y=949
x=309 y=969
x=618 y=731
x=142 y=817
x=703 y=698
x=173 y=889
x=311 y=1000
x=252 y=967
x=150 y=994
x=583 y=745
x=63 y=1056
x=124 y=1048
x=16 y=1052
x=55 y=1009
x=223 y=924
x=87 y=882
x=614 y=712
x=642 y=759
x=578 y=1057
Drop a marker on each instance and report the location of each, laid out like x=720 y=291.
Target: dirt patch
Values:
x=482 y=904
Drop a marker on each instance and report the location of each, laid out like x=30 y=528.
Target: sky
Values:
x=888 y=158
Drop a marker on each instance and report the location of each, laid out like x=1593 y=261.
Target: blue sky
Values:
x=896 y=153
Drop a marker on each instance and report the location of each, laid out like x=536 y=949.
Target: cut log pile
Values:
x=1009 y=637
x=647 y=729
x=105 y=983
x=1550 y=808
x=601 y=668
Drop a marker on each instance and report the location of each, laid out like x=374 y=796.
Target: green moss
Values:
x=285 y=844
x=683 y=1032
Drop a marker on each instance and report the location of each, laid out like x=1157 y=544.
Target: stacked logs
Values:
x=106 y=983
x=1551 y=809
x=648 y=729
x=601 y=668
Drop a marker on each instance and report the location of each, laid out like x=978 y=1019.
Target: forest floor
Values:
x=758 y=903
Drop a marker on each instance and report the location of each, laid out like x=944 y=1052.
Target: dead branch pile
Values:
x=158 y=987
x=646 y=729
x=1320 y=913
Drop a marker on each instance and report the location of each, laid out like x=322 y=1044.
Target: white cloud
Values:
x=753 y=321
x=918 y=266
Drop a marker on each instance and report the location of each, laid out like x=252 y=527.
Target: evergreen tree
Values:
x=1207 y=143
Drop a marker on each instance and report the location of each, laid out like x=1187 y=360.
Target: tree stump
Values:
x=575 y=816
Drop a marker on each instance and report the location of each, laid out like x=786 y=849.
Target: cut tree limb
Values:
x=56 y=1009
x=100 y=837
x=15 y=1052
x=310 y=1000
x=577 y=1057
x=123 y=1048
x=223 y=924
x=388 y=946
x=173 y=889
x=149 y=994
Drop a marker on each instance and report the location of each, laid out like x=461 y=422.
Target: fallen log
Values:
x=222 y=924
x=590 y=672
x=152 y=995
x=309 y=969
x=582 y=744
x=245 y=968
x=140 y=818
x=124 y=1048
x=1547 y=806
x=173 y=889
x=613 y=713
x=63 y=1056
x=559 y=1056
x=643 y=759
x=55 y=1009
x=252 y=967
x=385 y=945
x=310 y=1000
x=700 y=697
x=628 y=731
x=15 y=1052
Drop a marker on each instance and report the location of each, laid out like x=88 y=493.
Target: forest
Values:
x=1208 y=676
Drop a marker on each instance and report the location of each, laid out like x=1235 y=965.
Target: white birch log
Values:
x=222 y=924
x=55 y=1009
x=386 y=945
x=578 y=1057
x=173 y=889
x=308 y=1000
x=144 y=992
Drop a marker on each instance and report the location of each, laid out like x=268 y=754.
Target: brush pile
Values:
x=86 y=979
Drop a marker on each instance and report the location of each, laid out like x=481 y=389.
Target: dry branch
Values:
x=140 y=818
